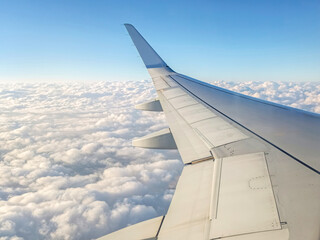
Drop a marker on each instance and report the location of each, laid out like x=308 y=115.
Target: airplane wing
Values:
x=251 y=166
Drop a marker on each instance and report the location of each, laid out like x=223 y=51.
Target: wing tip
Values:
x=149 y=56
x=128 y=25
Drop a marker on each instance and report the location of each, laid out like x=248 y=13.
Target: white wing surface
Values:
x=251 y=166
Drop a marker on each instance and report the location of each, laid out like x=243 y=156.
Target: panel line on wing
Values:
x=195 y=113
x=173 y=92
x=203 y=138
x=202 y=120
x=272 y=188
x=182 y=101
x=159 y=83
x=160 y=226
x=215 y=188
x=171 y=82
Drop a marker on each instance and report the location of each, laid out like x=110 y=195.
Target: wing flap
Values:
x=143 y=230
x=188 y=214
x=246 y=203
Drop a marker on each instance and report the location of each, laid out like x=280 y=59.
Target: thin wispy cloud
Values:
x=68 y=170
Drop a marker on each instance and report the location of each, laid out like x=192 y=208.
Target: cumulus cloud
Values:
x=302 y=95
x=67 y=167
x=68 y=170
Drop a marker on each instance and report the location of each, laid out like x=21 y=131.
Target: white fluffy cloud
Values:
x=68 y=170
x=67 y=167
x=303 y=95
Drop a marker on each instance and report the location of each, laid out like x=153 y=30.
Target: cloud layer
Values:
x=303 y=95
x=67 y=168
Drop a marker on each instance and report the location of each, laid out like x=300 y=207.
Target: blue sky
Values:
x=227 y=40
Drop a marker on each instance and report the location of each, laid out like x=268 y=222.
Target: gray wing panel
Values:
x=294 y=131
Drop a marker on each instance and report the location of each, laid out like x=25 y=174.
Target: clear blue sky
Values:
x=231 y=40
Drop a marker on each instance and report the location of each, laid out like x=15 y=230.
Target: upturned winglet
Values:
x=149 y=56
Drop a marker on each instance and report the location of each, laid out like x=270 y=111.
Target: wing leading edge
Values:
x=251 y=166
